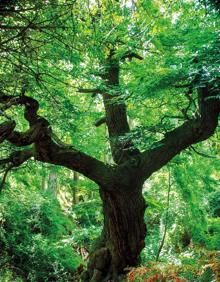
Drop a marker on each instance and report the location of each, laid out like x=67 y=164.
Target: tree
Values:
x=121 y=57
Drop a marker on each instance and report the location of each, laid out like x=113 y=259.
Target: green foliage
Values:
x=213 y=237
x=193 y=210
x=88 y=213
x=88 y=216
x=7 y=275
x=31 y=233
x=214 y=203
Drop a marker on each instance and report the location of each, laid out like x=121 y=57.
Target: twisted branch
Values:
x=45 y=146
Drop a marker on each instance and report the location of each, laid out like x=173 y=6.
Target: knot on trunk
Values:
x=98 y=266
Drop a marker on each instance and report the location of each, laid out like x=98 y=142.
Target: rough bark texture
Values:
x=123 y=235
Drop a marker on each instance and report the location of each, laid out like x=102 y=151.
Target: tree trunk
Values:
x=52 y=182
x=74 y=187
x=122 y=238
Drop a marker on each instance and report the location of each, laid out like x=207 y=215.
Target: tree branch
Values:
x=50 y=152
x=18 y=157
x=116 y=116
x=202 y=154
x=166 y=218
x=46 y=147
x=14 y=160
x=90 y=91
x=100 y=121
x=130 y=55
x=4 y=177
x=190 y=132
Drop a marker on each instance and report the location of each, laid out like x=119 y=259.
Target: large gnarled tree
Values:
x=120 y=184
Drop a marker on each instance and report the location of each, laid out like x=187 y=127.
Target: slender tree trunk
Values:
x=52 y=182
x=122 y=238
x=74 y=187
x=166 y=218
x=44 y=180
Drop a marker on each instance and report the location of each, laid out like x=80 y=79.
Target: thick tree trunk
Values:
x=122 y=238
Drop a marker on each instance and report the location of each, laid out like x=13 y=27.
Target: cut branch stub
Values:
x=100 y=121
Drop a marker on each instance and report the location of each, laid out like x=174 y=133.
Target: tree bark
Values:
x=122 y=237
x=115 y=114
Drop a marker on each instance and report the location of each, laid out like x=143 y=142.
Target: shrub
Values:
x=32 y=229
